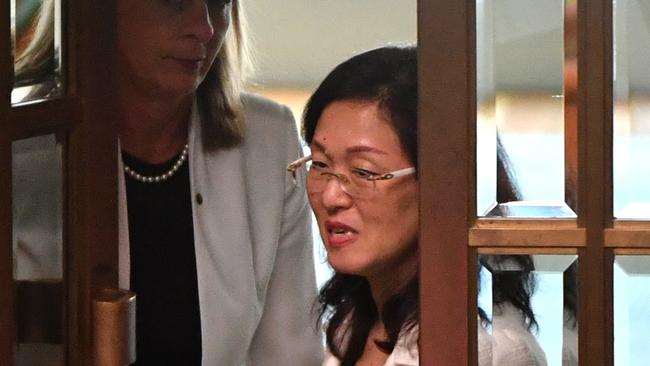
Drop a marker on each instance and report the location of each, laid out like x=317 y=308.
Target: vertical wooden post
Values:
x=447 y=111
x=7 y=323
x=595 y=178
x=92 y=166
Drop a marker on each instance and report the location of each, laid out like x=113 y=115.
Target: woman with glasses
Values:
x=361 y=127
x=362 y=185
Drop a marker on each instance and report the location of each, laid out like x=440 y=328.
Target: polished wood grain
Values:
x=595 y=179
x=527 y=232
x=92 y=166
x=447 y=111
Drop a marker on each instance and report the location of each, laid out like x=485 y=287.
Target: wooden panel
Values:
x=91 y=166
x=504 y=232
x=447 y=112
x=594 y=184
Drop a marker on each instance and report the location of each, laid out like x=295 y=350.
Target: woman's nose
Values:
x=334 y=196
x=198 y=22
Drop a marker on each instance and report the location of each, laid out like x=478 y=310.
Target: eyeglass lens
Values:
x=317 y=181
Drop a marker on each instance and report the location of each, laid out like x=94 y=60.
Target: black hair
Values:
x=513 y=285
x=507 y=189
x=386 y=76
x=570 y=280
x=513 y=281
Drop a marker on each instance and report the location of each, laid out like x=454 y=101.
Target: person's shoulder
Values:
x=258 y=108
x=270 y=130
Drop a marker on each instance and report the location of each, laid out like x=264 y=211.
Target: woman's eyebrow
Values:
x=315 y=145
x=364 y=149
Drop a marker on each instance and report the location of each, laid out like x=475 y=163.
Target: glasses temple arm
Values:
x=294 y=166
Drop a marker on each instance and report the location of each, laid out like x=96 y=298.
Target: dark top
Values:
x=163 y=266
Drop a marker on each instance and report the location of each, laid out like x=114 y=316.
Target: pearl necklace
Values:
x=162 y=177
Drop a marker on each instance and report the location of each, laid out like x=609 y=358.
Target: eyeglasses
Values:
x=359 y=183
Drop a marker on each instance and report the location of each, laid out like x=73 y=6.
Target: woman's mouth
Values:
x=191 y=65
x=339 y=234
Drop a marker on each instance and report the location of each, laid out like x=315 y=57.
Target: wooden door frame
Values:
x=92 y=165
x=87 y=116
x=447 y=175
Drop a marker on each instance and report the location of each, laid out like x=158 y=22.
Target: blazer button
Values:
x=199 y=198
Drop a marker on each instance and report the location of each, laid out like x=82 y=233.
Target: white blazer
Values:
x=253 y=245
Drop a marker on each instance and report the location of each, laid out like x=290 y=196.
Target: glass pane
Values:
x=36 y=30
x=37 y=198
x=528 y=310
x=520 y=107
x=631 y=310
x=631 y=109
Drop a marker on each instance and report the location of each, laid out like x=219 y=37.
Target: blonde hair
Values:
x=36 y=59
x=219 y=95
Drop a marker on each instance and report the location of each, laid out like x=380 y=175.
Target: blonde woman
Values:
x=215 y=235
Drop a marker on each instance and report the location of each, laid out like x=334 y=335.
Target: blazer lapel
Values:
x=223 y=249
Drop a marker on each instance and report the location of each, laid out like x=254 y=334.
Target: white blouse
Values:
x=512 y=343
x=405 y=352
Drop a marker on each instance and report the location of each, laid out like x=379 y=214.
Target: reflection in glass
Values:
x=520 y=98
x=631 y=109
x=38 y=250
x=522 y=313
x=631 y=310
x=36 y=30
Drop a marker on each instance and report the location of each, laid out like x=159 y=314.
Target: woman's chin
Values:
x=178 y=85
x=350 y=266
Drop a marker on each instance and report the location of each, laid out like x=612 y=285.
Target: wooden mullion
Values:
x=527 y=232
x=92 y=227
x=55 y=116
x=447 y=126
x=512 y=250
x=630 y=251
x=595 y=179
x=7 y=311
x=527 y=238
x=627 y=238
x=628 y=233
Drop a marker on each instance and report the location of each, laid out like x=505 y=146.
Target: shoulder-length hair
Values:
x=35 y=58
x=219 y=95
x=386 y=76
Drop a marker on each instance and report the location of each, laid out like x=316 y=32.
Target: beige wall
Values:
x=297 y=42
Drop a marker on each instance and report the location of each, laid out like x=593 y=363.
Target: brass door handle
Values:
x=114 y=327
